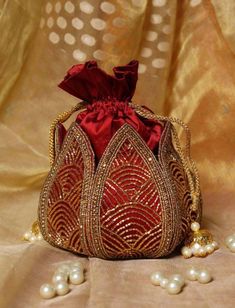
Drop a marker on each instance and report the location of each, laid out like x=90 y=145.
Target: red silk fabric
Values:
x=107 y=100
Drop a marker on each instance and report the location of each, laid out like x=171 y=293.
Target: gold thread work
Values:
x=100 y=213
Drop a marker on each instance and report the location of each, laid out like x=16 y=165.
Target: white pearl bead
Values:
x=204 y=276
x=215 y=245
x=186 y=252
x=192 y=274
x=62 y=288
x=156 y=278
x=47 y=291
x=57 y=277
x=164 y=282
x=27 y=235
x=32 y=238
x=202 y=252
x=39 y=237
x=76 y=277
x=65 y=269
x=195 y=226
x=209 y=248
x=195 y=249
x=179 y=278
x=229 y=239
x=232 y=246
x=173 y=287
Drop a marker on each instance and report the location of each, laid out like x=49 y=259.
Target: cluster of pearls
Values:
x=173 y=284
x=32 y=237
x=230 y=242
x=68 y=273
x=202 y=276
x=195 y=248
x=199 y=251
x=34 y=234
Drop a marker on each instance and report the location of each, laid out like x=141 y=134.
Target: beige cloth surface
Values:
x=187 y=69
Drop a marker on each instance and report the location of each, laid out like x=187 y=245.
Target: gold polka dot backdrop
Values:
x=113 y=33
x=80 y=23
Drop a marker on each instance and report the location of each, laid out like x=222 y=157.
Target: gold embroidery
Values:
x=77 y=157
x=101 y=213
x=154 y=171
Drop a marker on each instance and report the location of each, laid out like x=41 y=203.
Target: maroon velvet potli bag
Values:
x=119 y=186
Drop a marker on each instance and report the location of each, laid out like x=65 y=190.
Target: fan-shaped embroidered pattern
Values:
x=130 y=209
x=60 y=207
x=64 y=198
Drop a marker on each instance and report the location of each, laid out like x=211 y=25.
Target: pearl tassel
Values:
x=34 y=234
x=199 y=244
x=67 y=273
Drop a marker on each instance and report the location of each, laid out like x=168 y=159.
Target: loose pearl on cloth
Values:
x=173 y=287
x=62 y=288
x=229 y=239
x=164 y=283
x=179 y=278
x=156 y=278
x=232 y=246
x=47 y=291
x=74 y=271
x=175 y=283
x=76 y=277
x=192 y=274
x=230 y=242
x=57 y=277
x=204 y=276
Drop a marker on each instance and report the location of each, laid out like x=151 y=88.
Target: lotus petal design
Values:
x=132 y=204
